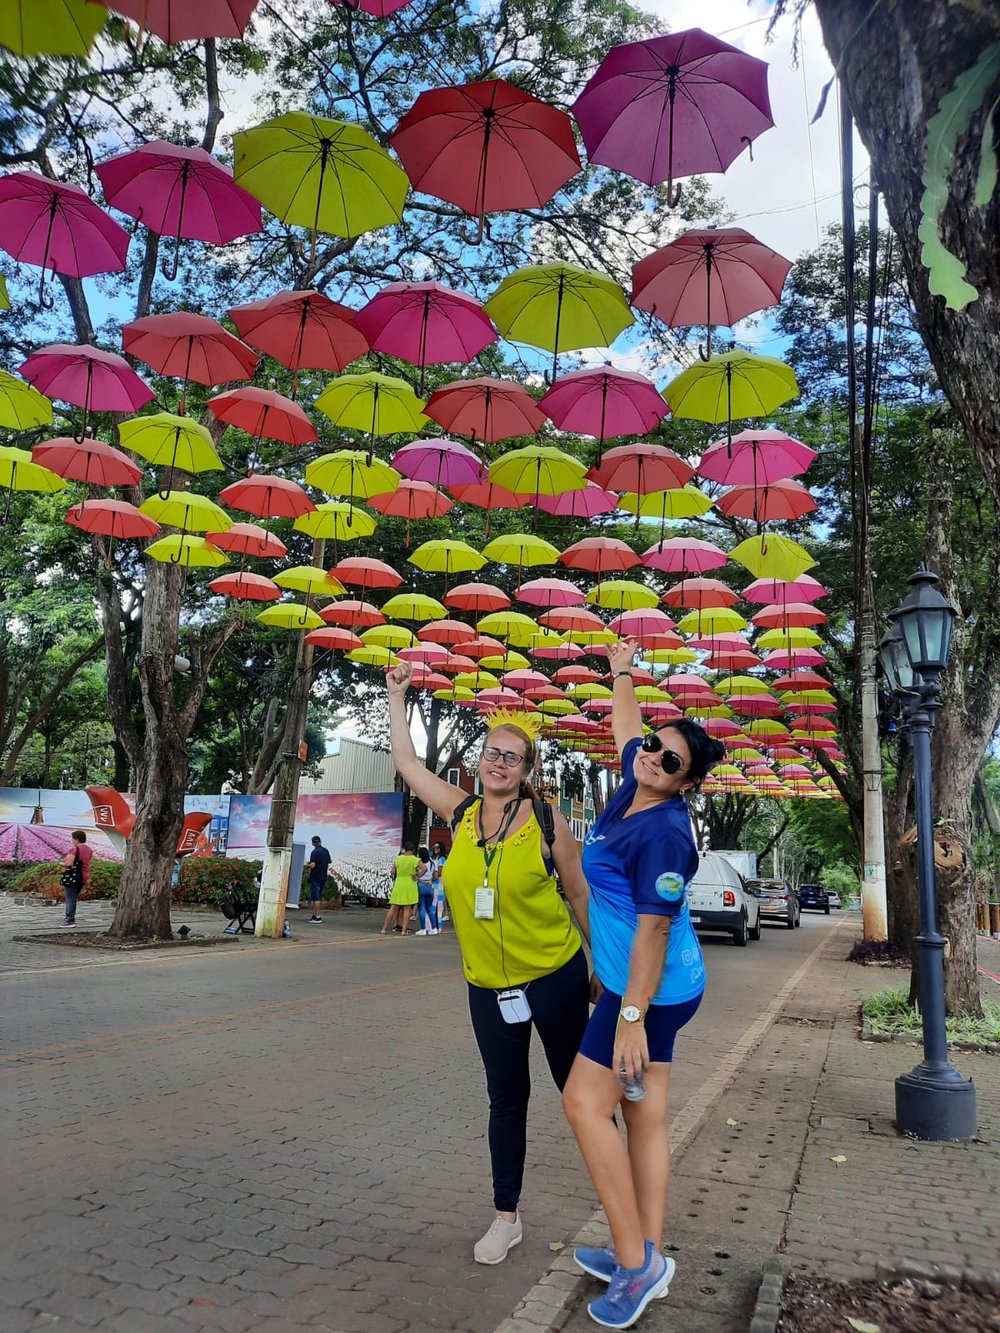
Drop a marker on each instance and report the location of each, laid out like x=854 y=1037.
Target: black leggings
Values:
x=560 y=1010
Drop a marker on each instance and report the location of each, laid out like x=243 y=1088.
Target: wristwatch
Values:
x=631 y=1013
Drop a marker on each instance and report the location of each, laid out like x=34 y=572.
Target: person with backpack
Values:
x=521 y=952
x=75 y=874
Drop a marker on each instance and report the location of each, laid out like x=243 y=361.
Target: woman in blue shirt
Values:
x=638 y=859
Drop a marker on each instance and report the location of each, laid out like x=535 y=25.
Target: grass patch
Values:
x=888 y=1013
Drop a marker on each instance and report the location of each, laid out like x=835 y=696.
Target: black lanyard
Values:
x=490 y=850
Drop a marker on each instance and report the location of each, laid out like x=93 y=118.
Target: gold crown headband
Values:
x=529 y=723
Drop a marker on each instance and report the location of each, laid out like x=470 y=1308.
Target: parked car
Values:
x=815 y=898
x=777 y=901
x=719 y=900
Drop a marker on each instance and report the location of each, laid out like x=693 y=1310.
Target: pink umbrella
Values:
x=673 y=106
x=755 y=458
x=784 y=499
x=485 y=409
x=641 y=623
x=566 y=652
x=267 y=497
x=588 y=503
x=112 y=518
x=353 y=614
x=605 y=403
x=90 y=461
x=527 y=680
x=715 y=276
x=576 y=675
x=334 y=638
x=302 y=330
x=380 y=9
x=684 y=555
x=182 y=192
x=479 y=598
x=803 y=589
x=247 y=587
x=425 y=323
x=58 y=227
x=186 y=20
x=247 y=539
x=442 y=462
x=83 y=375
x=550 y=592
x=412 y=500
x=359 y=571
x=793 y=658
x=190 y=347
x=263 y=413
x=642 y=468
x=695 y=593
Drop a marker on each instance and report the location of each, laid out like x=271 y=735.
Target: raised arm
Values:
x=626 y=721
x=441 y=796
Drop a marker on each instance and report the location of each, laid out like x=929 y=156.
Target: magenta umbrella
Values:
x=380 y=9
x=425 y=323
x=755 y=458
x=186 y=20
x=586 y=503
x=673 y=106
x=58 y=227
x=684 y=555
x=605 y=403
x=550 y=592
x=715 y=276
x=89 y=378
x=803 y=589
x=182 y=192
x=442 y=462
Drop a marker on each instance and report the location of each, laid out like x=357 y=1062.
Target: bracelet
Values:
x=622 y=673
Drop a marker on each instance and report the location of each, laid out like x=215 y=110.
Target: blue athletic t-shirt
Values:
x=642 y=866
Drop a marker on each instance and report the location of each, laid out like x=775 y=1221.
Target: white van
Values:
x=718 y=900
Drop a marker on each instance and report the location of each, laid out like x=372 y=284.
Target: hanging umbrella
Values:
x=267 y=497
x=642 y=468
x=189 y=347
x=599 y=555
x=514 y=626
x=486 y=147
x=21 y=406
x=715 y=276
x=486 y=495
x=322 y=174
x=412 y=500
x=414 y=606
x=455 y=632
x=425 y=323
x=95 y=380
x=302 y=330
x=191 y=552
x=248 y=539
x=263 y=414
x=389 y=636
x=731 y=385
x=432 y=655
x=559 y=308
x=187 y=20
x=446 y=557
x=111 y=518
x=485 y=409
x=588 y=503
x=604 y=403
x=352 y=473
x=575 y=675
x=441 y=462
x=19 y=472
x=311 y=580
x=538 y=470
x=673 y=106
x=50 y=27
x=170 y=441
x=186 y=510
x=380 y=9
x=342 y=522
x=790 y=636
x=57 y=228
x=803 y=589
x=90 y=461
x=363 y=572
x=700 y=592
x=772 y=557
x=623 y=594
x=684 y=555
x=572 y=620
x=354 y=614
x=550 y=592
x=179 y=191
x=782 y=500
x=334 y=639
x=644 y=623
x=755 y=458
x=709 y=619
x=789 y=614
x=246 y=587
x=290 y=615
x=373 y=655
x=371 y=402
x=520 y=549
x=479 y=598
x=676 y=503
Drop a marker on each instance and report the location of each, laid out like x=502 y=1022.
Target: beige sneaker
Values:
x=501 y=1237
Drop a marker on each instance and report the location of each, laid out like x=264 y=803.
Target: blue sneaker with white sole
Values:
x=632 y=1289
x=598 y=1263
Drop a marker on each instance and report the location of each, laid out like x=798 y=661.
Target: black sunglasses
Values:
x=670 y=760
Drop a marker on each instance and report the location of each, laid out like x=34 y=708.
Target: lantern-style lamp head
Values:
x=899 y=675
x=925 y=621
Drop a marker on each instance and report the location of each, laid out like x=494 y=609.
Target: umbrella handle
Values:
x=45 y=299
x=674 y=193
x=169 y=267
x=482 y=230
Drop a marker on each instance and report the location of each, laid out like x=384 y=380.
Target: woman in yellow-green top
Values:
x=404 y=893
x=521 y=952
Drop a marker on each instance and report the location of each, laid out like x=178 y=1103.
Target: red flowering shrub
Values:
x=43 y=879
x=204 y=879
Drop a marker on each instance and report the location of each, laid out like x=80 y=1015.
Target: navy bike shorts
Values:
x=662 y=1023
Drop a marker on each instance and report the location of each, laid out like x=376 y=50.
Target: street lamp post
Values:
x=933 y=1101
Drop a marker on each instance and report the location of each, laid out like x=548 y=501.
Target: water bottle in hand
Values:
x=634 y=1089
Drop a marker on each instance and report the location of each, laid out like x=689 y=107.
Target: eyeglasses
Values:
x=670 y=760
x=510 y=757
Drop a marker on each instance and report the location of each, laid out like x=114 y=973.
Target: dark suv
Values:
x=815 y=897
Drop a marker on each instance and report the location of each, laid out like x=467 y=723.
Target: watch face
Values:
x=631 y=1014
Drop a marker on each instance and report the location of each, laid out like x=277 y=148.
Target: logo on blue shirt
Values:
x=670 y=887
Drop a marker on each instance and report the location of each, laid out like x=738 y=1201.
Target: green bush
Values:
x=331 y=889
x=841 y=880
x=43 y=879
x=204 y=879
x=889 y=1013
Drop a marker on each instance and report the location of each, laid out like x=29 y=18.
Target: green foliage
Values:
x=841 y=880
x=946 y=272
x=204 y=879
x=889 y=1013
x=42 y=880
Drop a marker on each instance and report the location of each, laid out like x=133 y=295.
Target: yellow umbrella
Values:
x=765 y=726
x=770 y=556
x=167 y=440
x=477 y=680
x=680 y=502
x=4 y=297
x=192 y=552
x=731 y=385
x=793 y=637
x=510 y=661
x=538 y=469
x=349 y=472
x=513 y=626
x=670 y=656
x=311 y=580
x=545 y=638
x=21 y=406
x=521 y=548
x=318 y=173
x=373 y=655
x=389 y=636
x=414 y=606
x=374 y=403
x=50 y=27
x=741 y=685
x=711 y=620
x=588 y=690
x=651 y=694
x=19 y=472
x=458 y=694
x=446 y=557
x=561 y=706
x=187 y=511
x=290 y=615
x=334 y=518
x=622 y=594
x=589 y=638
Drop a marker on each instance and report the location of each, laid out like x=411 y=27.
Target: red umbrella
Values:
x=263 y=413
x=755 y=458
x=800 y=680
x=186 y=20
x=335 y=638
x=488 y=495
x=481 y=645
x=696 y=593
x=715 y=276
x=359 y=571
x=793 y=658
x=247 y=539
x=425 y=323
x=189 y=347
x=569 y=652
x=89 y=378
x=527 y=680
x=605 y=403
x=182 y=192
x=450 y=631
x=673 y=106
x=754 y=705
x=789 y=614
x=302 y=330
x=642 y=468
x=576 y=675
x=486 y=147
x=599 y=555
x=783 y=500
x=588 y=503
x=359 y=615
x=428 y=654
x=267 y=497
x=112 y=518
x=442 y=462
x=684 y=555
x=485 y=409
x=641 y=623
x=247 y=587
x=90 y=461
x=58 y=227
x=412 y=500
x=550 y=592
x=575 y=618
x=479 y=598
x=803 y=589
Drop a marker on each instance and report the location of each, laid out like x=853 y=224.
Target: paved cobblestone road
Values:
x=285 y=1135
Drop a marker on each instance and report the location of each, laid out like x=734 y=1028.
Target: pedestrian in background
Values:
x=403 y=897
x=319 y=865
x=75 y=874
x=425 y=892
x=438 y=859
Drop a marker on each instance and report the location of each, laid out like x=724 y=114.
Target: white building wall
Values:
x=356 y=767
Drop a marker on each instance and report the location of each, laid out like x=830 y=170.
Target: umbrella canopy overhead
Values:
x=600 y=555
x=191 y=552
x=378 y=404
x=187 y=20
x=19 y=472
x=350 y=472
x=641 y=468
x=343 y=522
x=186 y=510
x=782 y=500
x=112 y=518
x=441 y=462
x=486 y=409
x=166 y=440
x=267 y=497
x=302 y=330
x=425 y=323
x=538 y=470
x=264 y=414
x=248 y=539
x=90 y=461
x=50 y=28
x=246 y=587
x=755 y=458
x=604 y=403
x=87 y=377
x=729 y=386
x=189 y=347
x=21 y=406
x=586 y=503
x=772 y=556
x=364 y=572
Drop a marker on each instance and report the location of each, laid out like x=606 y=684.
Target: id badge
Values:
x=514 y=1006
x=484 y=904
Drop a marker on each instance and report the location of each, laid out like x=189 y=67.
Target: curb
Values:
x=767 y=1311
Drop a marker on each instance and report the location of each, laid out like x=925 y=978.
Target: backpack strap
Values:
x=460 y=810
x=542 y=811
